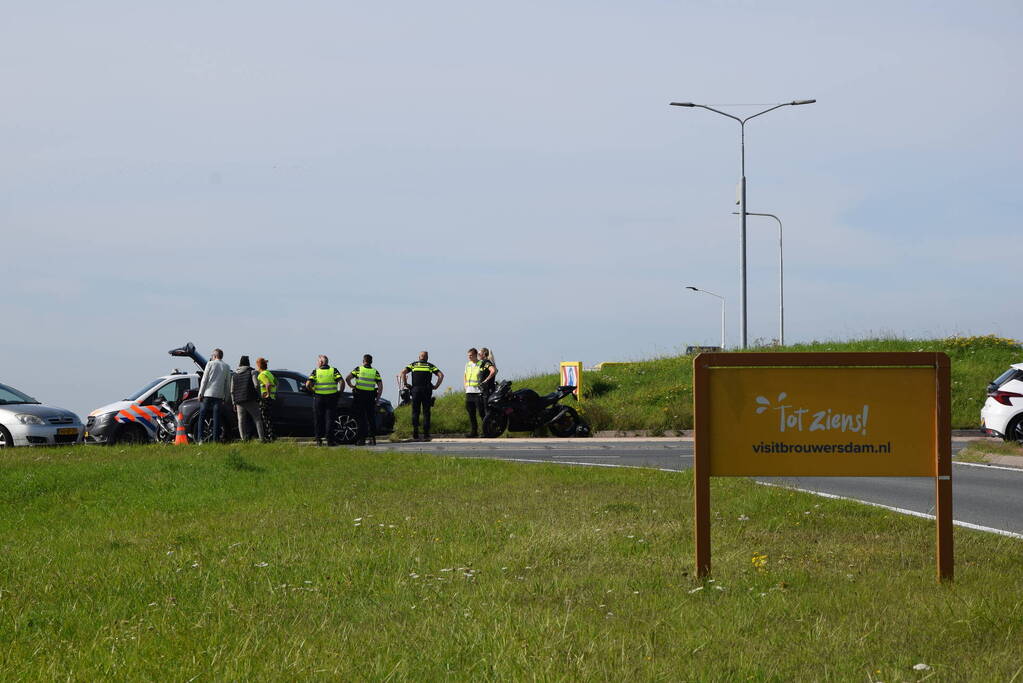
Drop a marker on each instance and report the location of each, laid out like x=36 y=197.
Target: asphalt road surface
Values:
x=986 y=497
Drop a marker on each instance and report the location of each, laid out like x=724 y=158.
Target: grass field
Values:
x=656 y=395
x=253 y=562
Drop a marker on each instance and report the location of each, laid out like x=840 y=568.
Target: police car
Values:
x=134 y=419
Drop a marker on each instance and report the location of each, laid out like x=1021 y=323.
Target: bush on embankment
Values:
x=657 y=395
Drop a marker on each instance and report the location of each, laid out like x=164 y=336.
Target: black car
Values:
x=293 y=410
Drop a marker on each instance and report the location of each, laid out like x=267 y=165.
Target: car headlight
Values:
x=27 y=419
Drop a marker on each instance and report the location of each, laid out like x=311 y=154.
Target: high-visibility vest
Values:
x=268 y=383
x=366 y=378
x=472 y=374
x=325 y=381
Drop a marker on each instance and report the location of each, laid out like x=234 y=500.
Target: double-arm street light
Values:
x=742 y=197
x=697 y=289
x=781 y=276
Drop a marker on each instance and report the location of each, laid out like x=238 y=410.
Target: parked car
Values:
x=1002 y=414
x=25 y=421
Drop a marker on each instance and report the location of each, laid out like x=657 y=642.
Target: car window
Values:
x=170 y=392
x=1010 y=374
x=10 y=395
x=286 y=384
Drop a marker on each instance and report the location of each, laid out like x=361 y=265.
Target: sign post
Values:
x=823 y=414
x=572 y=376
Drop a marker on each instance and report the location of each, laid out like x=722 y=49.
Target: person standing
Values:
x=422 y=372
x=213 y=390
x=367 y=386
x=267 y=397
x=323 y=383
x=473 y=399
x=245 y=395
x=488 y=376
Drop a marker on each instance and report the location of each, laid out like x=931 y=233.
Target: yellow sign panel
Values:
x=821 y=421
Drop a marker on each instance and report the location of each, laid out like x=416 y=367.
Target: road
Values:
x=990 y=498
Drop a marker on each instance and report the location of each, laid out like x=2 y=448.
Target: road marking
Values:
x=903 y=511
x=988 y=467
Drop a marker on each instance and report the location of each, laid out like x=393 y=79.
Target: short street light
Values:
x=697 y=289
x=742 y=197
x=781 y=276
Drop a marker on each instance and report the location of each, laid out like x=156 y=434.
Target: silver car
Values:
x=24 y=421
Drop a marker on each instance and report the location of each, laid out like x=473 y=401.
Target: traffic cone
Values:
x=180 y=437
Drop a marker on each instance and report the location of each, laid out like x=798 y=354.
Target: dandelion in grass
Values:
x=759 y=562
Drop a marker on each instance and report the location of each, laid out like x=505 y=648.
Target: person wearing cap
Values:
x=367 y=386
x=323 y=383
x=267 y=398
x=245 y=396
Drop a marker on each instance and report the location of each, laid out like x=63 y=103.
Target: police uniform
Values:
x=422 y=372
x=324 y=381
x=365 y=400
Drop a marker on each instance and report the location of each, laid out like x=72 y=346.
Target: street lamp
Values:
x=697 y=289
x=742 y=197
x=781 y=276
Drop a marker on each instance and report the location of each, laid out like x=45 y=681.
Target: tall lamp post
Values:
x=781 y=276
x=742 y=197
x=697 y=289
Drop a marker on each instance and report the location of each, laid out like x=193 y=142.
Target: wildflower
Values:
x=743 y=518
x=921 y=667
x=261 y=564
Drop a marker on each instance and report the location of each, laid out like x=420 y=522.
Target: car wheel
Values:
x=131 y=435
x=345 y=429
x=5 y=438
x=1014 y=431
x=565 y=425
x=494 y=425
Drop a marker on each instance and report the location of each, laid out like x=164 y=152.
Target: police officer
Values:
x=323 y=383
x=422 y=372
x=367 y=385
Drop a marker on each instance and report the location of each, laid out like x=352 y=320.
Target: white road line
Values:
x=989 y=467
x=902 y=511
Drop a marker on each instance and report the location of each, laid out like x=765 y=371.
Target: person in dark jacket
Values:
x=422 y=372
x=245 y=396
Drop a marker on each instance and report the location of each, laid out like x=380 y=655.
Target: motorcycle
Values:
x=525 y=410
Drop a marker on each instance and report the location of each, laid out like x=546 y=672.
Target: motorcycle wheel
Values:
x=565 y=425
x=494 y=425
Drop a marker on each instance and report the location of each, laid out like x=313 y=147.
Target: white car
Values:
x=25 y=421
x=1002 y=414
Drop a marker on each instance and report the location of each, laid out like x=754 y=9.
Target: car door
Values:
x=293 y=409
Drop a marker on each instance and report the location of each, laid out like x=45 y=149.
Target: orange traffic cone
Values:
x=180 y=437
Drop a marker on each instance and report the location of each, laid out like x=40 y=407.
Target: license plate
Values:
x=67 y=431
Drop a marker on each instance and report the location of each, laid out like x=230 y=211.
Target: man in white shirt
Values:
x=213 y=390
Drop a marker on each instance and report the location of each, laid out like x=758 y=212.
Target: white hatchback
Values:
x=1002 y=414
x=24 y=421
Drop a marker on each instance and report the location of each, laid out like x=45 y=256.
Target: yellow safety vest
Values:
x=325 y=381
x=366 y=378
x=472 y=374
x=268 y=383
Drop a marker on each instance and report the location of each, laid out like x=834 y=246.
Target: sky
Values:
x=284 y=180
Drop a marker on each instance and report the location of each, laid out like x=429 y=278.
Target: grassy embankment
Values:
x=280 y=562
x=657 y=395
